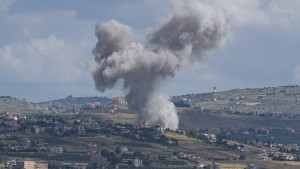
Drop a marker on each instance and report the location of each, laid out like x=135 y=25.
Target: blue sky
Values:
x=44 y=45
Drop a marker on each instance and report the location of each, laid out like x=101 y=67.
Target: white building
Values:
x=11 y=163
x=29 y=165
x=137 y=163
x=34 y=165
x=56 y=150
x=81 y=130
x=25 y=143
x=41 y=166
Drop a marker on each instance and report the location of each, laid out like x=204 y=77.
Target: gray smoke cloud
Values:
x=189 y=33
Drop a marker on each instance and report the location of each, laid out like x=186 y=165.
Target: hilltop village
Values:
x=101 y=134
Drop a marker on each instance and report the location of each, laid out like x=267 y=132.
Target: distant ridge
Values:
x=79 y=100
x=252 y=101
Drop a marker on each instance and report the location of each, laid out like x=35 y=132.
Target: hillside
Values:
x=70 y=100
x=14 y=105
x=251 y=101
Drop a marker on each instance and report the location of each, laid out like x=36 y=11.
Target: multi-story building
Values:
x=119 y=101
x=56 y=150
x=34 y=165
x=98 y=160
x=29 y=165
x=25 y=142
x=41 y=166
x=81 y=130
x=137 y=162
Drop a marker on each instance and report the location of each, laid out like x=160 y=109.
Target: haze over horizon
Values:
x=44 y=46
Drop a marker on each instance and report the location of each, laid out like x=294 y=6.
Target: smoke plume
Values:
x=189 y=33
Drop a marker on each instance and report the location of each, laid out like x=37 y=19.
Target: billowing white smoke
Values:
x=190 y=33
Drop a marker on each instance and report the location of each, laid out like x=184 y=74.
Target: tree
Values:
x=191 y=133
x=138 y=154
x=118 y=150
x=105 y=153
x=112 y=158
x=242 y=157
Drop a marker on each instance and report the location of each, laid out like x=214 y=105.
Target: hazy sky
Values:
x=44 y=45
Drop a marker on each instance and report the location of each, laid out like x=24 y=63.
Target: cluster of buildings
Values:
x=136 y=159
x=281 y=152
x=100 y=161
x=23 y=164
x=119 y=101
x=24 y=143
x=28 y=128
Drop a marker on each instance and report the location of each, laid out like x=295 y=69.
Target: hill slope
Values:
x=70 y=100
x=282 y=99
x=14 y=105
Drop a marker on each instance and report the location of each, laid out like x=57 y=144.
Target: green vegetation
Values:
x=10 y=104
x=249 y=101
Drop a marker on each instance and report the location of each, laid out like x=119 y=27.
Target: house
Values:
x=97 y=159
x=40 y=145
x=182 y=132
x=11 y=163
x=211 y=138
x=252 y=166
x=25 y=142
x=289 y=157
x=34 y=165
x=181 y=155
x=200 y=164
x=160 y=129
x=126 y=160
x=152 y=157
x=170 y=141
x=213 y=166
x=242 y=149
x=263 y=156
x=29 y=165
x=137 y=163
x=40 y=142
x=119 y=101
x=91 y=144
x=13 y=124
x=172 y=158
x=56 y=150
x=125 y=131
x=41 y=166
x=36 y=129
x=108 y=121
x=81 y=130
x=123 y=149
x=292 y=147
